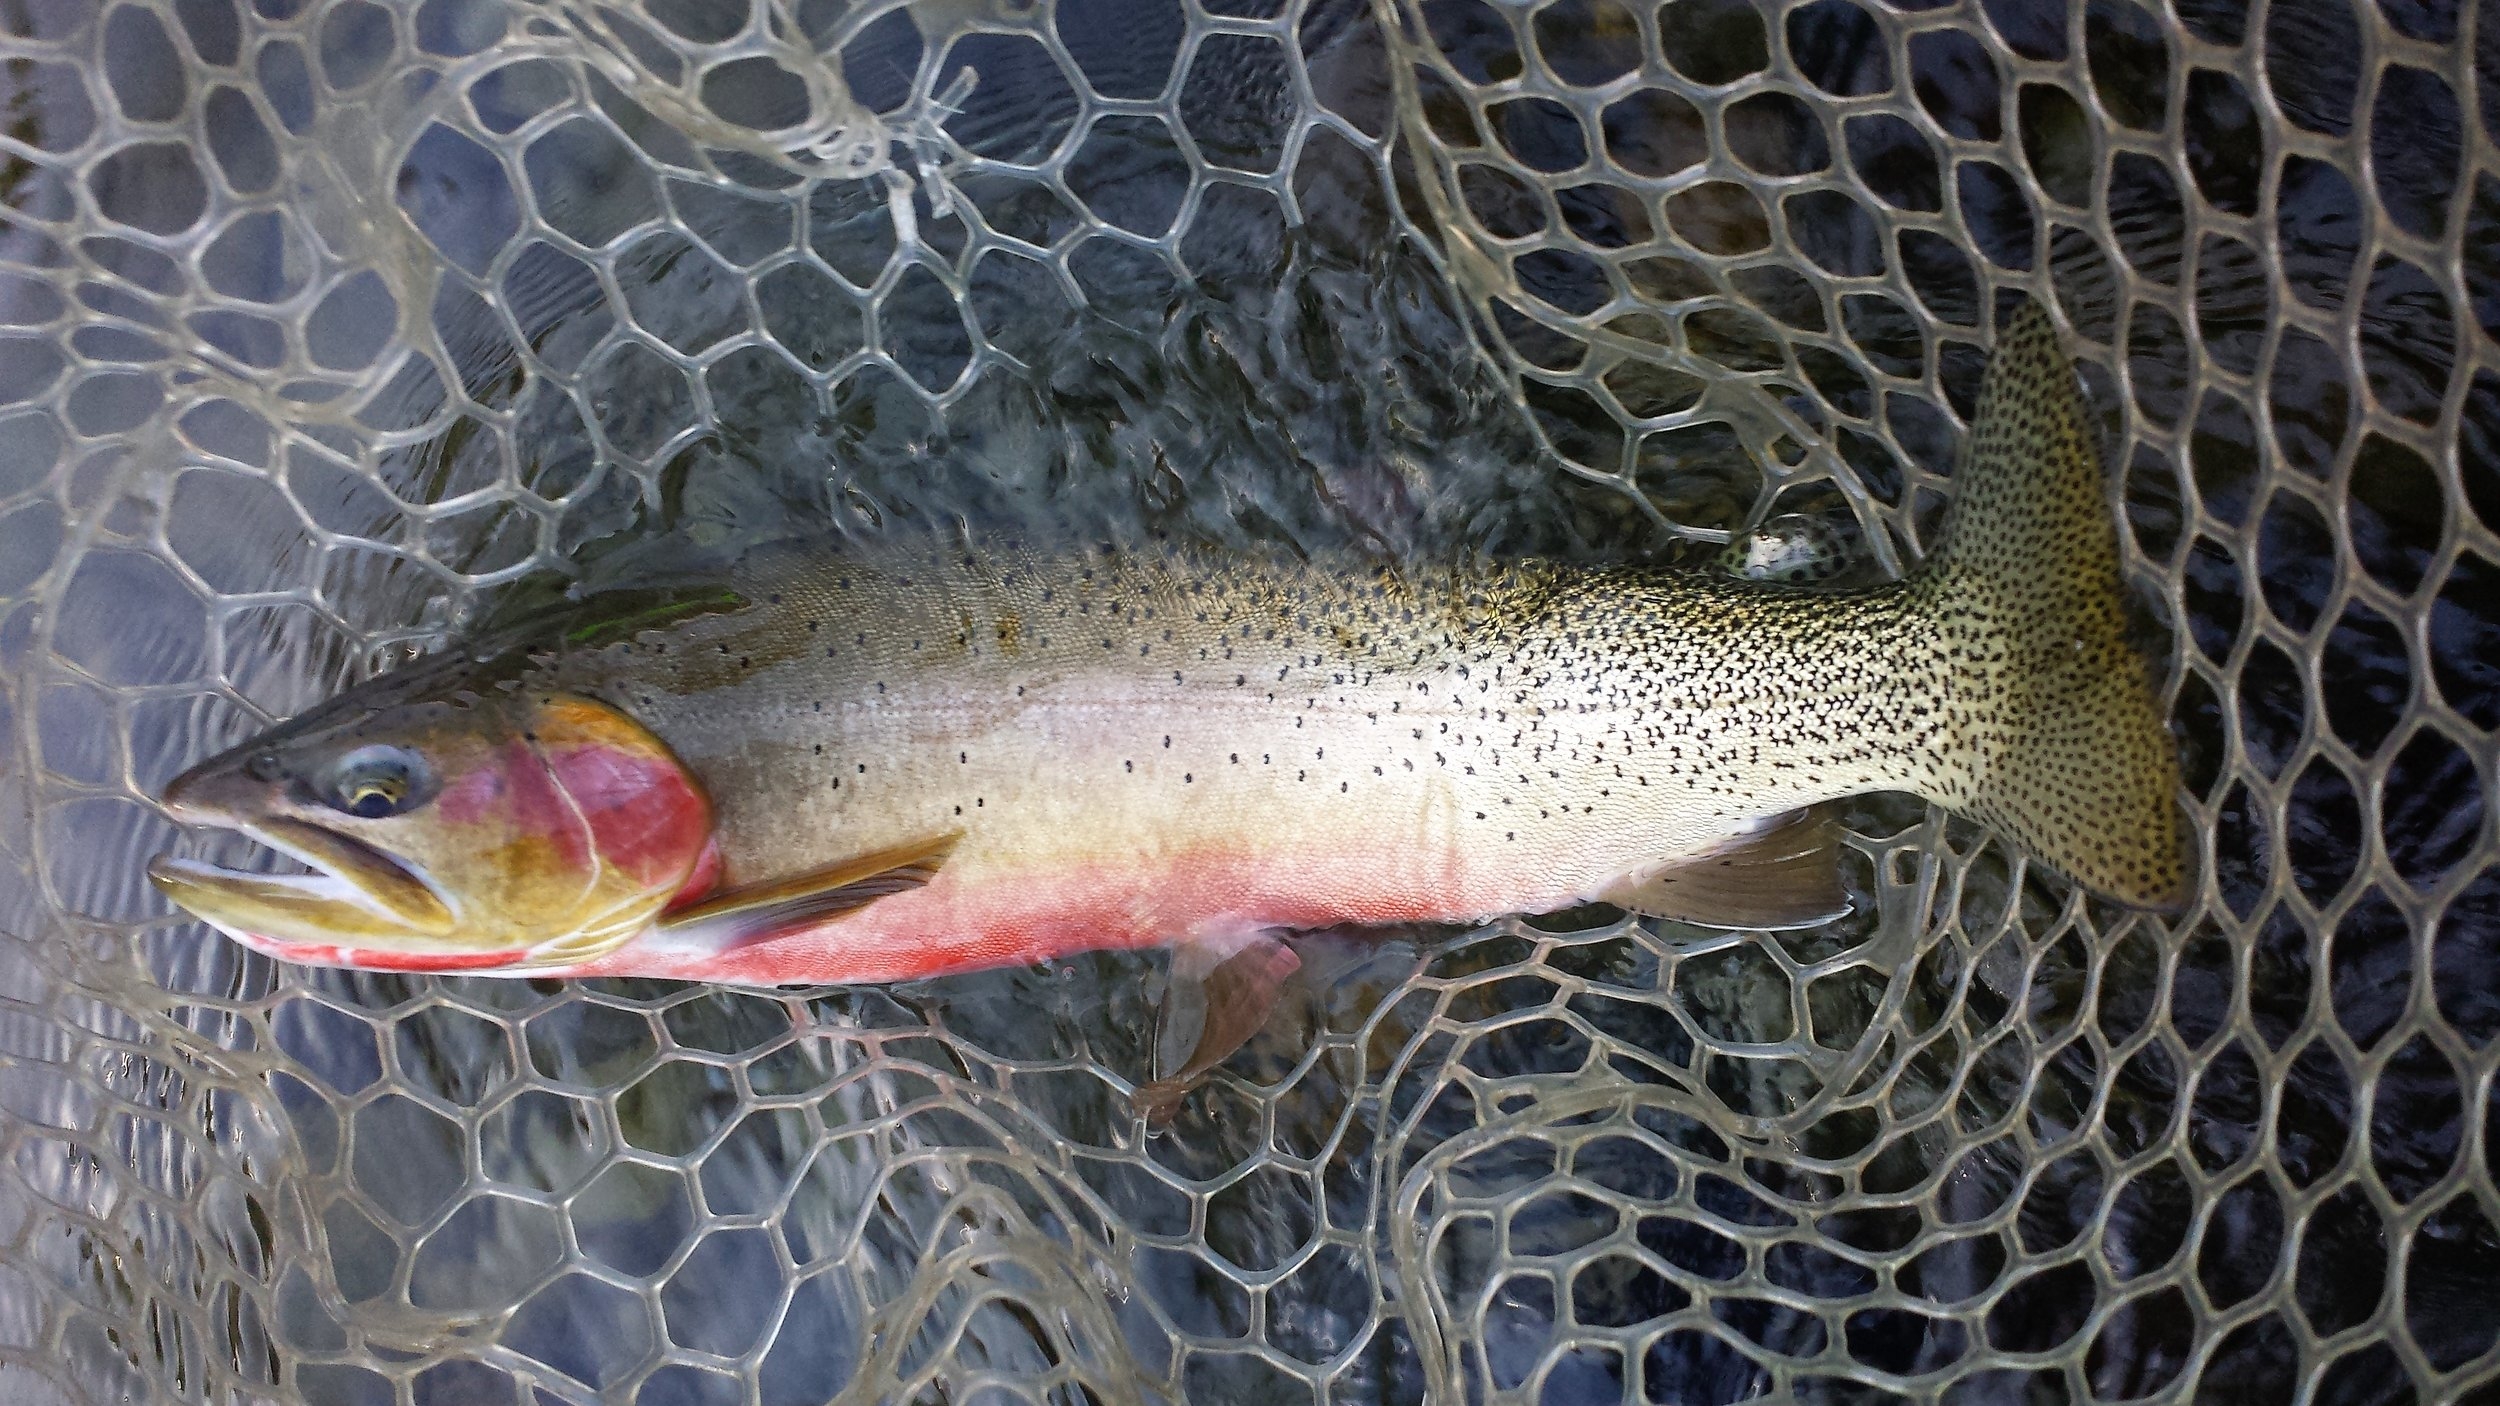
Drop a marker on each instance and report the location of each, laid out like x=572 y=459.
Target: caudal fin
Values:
x=2064 y=746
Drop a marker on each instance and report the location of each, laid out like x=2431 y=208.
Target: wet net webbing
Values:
x=318 y=321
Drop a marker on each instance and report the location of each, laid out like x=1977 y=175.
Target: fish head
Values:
x=463 y=831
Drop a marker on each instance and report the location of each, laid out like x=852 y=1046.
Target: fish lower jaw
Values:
x=310 y=883
x=215 y=894
x=358 y=884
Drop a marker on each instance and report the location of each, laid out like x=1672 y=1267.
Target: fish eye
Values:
x=372 y=783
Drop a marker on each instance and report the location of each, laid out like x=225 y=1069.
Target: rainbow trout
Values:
x=919 y=760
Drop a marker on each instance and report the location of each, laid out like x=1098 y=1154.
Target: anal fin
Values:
x=1784 y=875
x=760 y=911
x=1220 y=994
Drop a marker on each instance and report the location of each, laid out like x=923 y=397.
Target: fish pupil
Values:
x=371 y=804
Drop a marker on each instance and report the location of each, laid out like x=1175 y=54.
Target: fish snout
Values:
x=221 y=791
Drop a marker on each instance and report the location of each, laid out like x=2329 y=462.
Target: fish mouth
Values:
x=355 y=891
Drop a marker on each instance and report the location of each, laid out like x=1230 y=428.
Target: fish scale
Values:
x=1334 y=743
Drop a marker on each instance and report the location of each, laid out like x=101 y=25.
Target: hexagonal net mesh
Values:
x=323 y=318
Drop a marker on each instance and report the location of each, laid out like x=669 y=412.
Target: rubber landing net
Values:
x=320 y=320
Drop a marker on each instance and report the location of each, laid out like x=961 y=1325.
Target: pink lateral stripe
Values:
x=1007 y=919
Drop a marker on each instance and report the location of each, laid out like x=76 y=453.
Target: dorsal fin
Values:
x=1783 y=875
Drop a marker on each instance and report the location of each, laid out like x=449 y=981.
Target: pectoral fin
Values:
x=1784 y=875
x=1219 y=996
x=760 y=911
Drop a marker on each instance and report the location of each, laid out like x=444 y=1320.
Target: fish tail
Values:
x=2063 y=744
